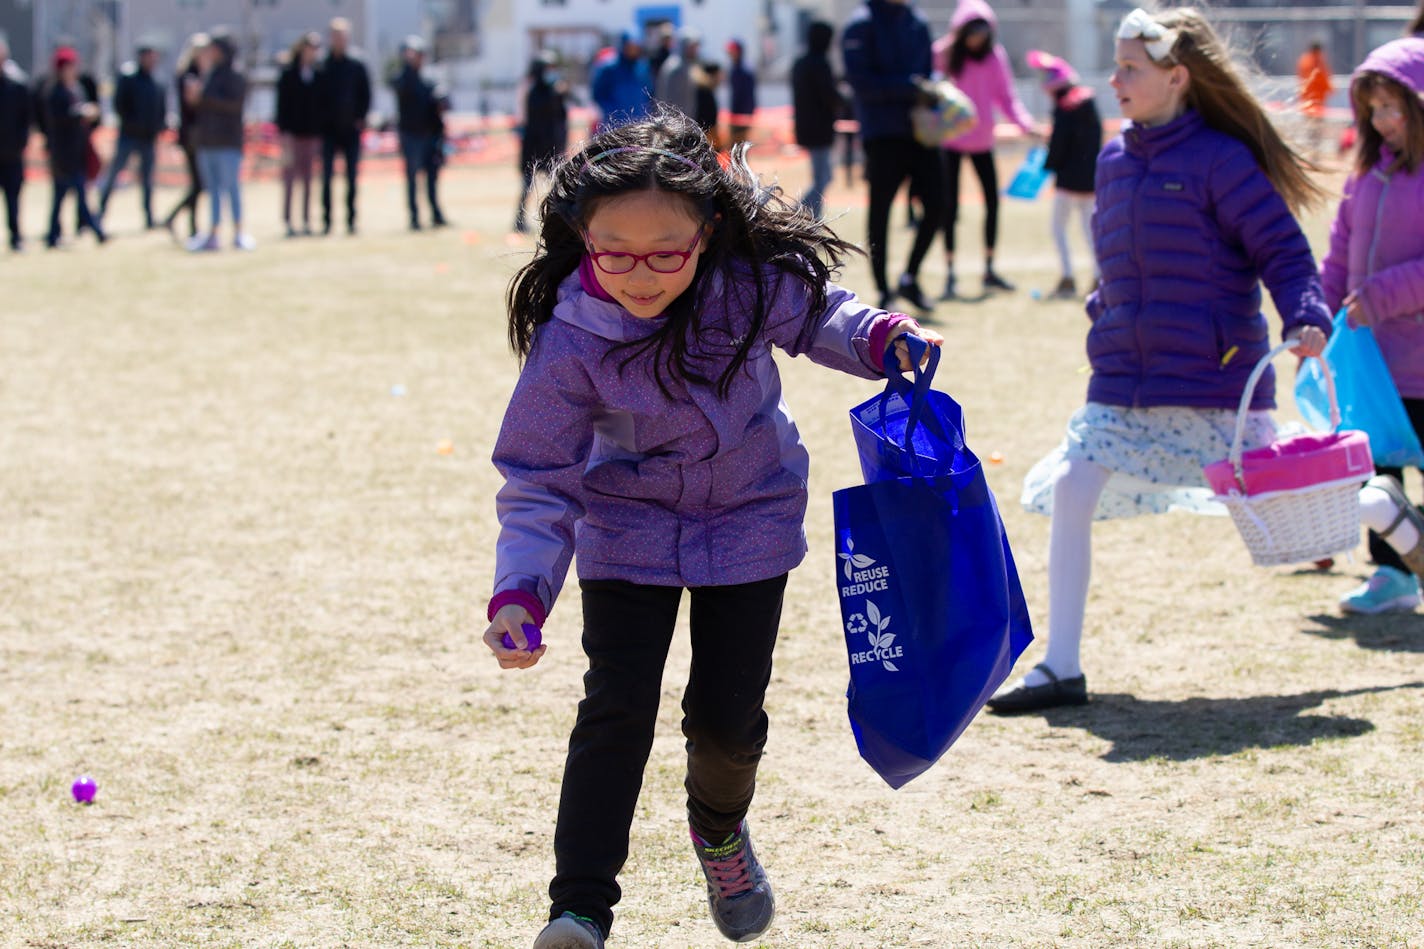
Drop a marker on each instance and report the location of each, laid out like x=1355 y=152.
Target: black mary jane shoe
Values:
x=1054 y=693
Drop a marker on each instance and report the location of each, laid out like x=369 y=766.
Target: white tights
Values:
x=1076 y=491
x=1064 y=203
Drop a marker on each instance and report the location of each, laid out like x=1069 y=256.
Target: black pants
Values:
x=349 y=148
x=889 y=162
x=12 y=179
x=1380 y=550
x=64 y=183
x=422 y=155
x=195 y=189
x=627 y=631
x=988 y=183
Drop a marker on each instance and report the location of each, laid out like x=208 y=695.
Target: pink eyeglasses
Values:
x=616 y=263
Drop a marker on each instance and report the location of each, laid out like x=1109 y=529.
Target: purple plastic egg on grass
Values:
x=531 y=633
x=84 y=788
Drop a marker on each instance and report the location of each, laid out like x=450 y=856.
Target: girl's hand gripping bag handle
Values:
x=931 y=606
x=1366 y=392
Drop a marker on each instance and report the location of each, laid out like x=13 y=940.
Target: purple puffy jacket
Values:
x=1187 y=226
x=679 y=489
x=1376 y=243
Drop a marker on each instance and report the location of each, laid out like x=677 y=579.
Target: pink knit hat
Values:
x=1056 y=72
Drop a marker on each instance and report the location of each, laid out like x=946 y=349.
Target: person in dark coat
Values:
x=744 y=99
x=421 y=125
x=15 y=119
x=706 y=112
x=40 y=88
x=546 y=126
x=887 y=51
x=185 y=67
x=816 y=102
x=219 y=98
x=299 y=123
x=345 y=99
x=70 y=118
x=142 y=107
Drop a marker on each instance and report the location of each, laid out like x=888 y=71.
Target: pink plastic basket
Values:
x=1295 y=500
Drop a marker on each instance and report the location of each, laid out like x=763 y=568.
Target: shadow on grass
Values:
x=1204 y=728
x=1397 y=632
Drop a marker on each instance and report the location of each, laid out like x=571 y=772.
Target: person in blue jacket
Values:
x=886 y=48
x=623 y=86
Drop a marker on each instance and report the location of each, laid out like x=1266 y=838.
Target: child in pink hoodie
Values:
x=1375 y=269
x=971 y=58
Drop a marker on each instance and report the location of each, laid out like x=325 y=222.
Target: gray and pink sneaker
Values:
x=570 y=931
x=738 y=892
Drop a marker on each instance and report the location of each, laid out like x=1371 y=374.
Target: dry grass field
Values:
x=242 y=588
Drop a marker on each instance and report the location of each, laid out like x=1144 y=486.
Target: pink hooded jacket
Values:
x=1376 y=243
x=988 y=82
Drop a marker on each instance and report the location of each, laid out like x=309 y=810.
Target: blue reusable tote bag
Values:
x=1028 y=181
x=1366 y=393
x=932 y=610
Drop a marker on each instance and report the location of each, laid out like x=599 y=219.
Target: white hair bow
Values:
x=1157 y=38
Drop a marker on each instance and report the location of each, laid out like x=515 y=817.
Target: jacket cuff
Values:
x=531 y=603
x=880 y=334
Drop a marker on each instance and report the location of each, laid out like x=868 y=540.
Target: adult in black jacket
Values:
x=421 y=129
x=142 y=107
x=15 y=118
x=345 y=96
x=70 y=119
x=887 y=51
x=185 y=67
x=546 y=126
x=40 y=87
x=816 y=103
x=299 y=121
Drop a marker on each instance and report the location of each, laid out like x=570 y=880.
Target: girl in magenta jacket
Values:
x=973 y=60
x=1375 y=266
x=648 y=439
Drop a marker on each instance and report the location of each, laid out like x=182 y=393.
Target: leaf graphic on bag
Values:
x=872 y=612
x=889 y=666
x=885 y=640
x=861 y=561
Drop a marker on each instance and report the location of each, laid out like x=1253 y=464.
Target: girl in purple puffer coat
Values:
x=1194 y=212
x=1375 y=269
x=648 y=439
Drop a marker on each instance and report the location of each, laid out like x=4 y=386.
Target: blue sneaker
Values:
x=1388 y=591
x=737 y=889
x=570 y=931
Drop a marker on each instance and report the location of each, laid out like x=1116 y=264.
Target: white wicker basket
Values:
x=1300 y=525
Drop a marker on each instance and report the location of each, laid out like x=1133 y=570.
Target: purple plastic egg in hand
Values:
x=531 y=634
x=84 y=788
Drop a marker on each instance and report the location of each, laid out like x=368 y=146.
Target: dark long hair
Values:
x=756 y=236
x=1367 y=153
x=959 y=50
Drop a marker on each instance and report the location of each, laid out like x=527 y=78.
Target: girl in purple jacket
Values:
x=1375 y=269
x=648 y=436
x=1194 y=211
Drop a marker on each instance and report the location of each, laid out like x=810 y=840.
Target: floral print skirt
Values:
x=1156 y=456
